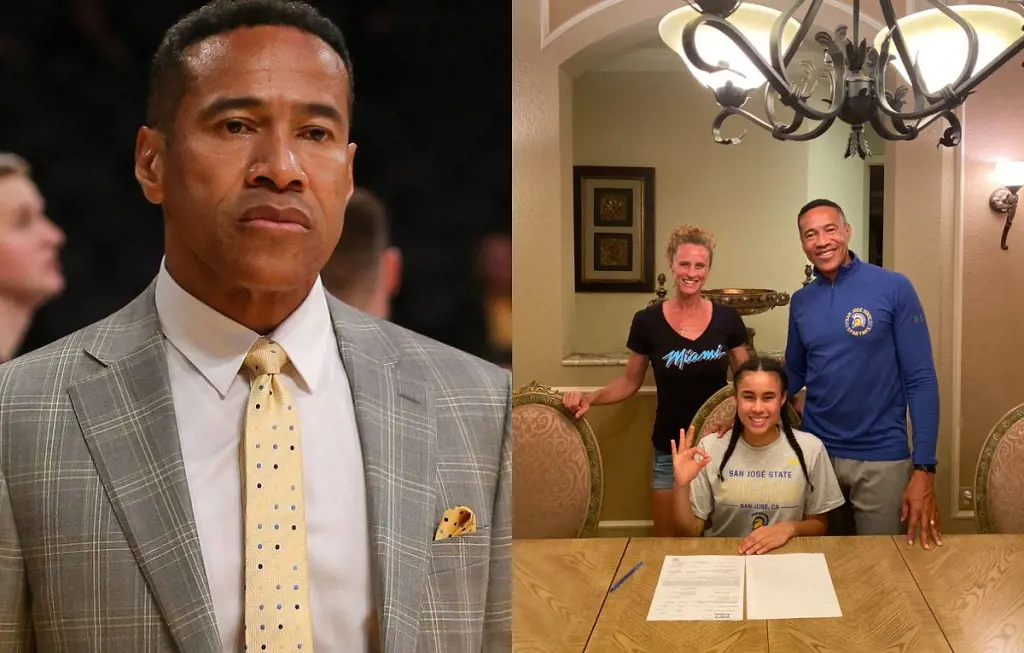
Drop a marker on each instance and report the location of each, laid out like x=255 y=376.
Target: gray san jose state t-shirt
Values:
x=762 y=485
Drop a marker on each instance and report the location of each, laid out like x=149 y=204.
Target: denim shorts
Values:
x=662 y=477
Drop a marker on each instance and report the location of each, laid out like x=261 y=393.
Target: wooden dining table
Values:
x=965 y=596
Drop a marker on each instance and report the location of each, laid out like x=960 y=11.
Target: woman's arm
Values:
x=623 y=387
x=690 y=487
x=767 y=538
x=618 y=390
x=687 y=523
x=810 y=526
x=738 y=356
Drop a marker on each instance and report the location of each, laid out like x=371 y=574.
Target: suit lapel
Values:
x=126 y=414
x=397 y=431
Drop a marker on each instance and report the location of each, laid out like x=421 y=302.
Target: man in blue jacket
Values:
x=858 y=341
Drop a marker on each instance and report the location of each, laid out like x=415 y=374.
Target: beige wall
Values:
x=993 y=284
x=932 y=196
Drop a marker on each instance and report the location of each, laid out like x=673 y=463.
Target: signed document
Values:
x=790 y=586
x=699 y=588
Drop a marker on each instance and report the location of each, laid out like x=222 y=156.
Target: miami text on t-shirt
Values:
x=685 y=356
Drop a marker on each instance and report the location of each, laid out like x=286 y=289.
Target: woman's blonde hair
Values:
x=689 y=234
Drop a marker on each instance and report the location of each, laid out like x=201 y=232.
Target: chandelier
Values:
x=735 y=47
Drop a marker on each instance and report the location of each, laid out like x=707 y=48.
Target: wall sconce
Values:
x=1004 y=199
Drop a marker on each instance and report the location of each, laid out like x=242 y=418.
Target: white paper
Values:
x=790 y=586
x=699 y=588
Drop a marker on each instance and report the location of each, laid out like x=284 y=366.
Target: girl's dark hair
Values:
x=772 y=367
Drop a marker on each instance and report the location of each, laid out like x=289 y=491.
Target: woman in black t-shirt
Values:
x=691 y=343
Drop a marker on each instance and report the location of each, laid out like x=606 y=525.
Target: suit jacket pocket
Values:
x=459 y=552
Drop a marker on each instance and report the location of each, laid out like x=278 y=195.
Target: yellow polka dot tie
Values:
x=277 y=615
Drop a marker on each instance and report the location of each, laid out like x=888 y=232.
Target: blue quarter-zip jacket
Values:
x=860 y=345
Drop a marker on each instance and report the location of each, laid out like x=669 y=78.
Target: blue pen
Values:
x=626 y=576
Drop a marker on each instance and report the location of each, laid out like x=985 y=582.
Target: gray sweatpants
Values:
x=873 y=492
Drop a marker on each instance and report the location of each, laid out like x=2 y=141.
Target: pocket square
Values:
x=455 y=522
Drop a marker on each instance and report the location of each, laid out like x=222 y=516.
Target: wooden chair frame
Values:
x=535 y=393
x=988 y=450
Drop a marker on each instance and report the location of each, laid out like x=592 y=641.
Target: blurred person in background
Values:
x=495 y=266
x=365 y=270
x=30 y=271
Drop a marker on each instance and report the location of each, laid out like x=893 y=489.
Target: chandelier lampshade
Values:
x=753 y=21
x=940 y=46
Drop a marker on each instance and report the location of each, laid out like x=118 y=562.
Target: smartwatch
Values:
x=925 y=468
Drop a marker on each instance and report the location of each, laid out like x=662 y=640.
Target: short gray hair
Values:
x=12 y=164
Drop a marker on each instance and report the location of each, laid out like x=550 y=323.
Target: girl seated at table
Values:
x=763 y=481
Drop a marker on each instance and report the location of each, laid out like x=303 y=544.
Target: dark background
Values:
x=432 y=117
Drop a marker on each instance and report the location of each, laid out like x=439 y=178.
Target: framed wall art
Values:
x=614 y=214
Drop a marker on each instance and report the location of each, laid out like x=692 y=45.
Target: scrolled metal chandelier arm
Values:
x=779 y=130
x=776 y=79
x=972 y=46
x=791 y=98
x=1009 y=53
x=950 y=136
x=734 y=35
x=782 y=131
x=724 y=114
x=799 y=104
x=781 y=62
x=907 y=134
x=769 y=110
x=917 y=84
x=883 y=99
x=926 y=103
x=896 y=35
x=810 y=135
x=951 y=96
x=776 y=130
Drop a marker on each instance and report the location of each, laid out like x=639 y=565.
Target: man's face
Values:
x=257 y=172
x=29 y=244
x=825 y=237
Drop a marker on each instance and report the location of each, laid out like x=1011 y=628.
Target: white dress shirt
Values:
x=205 y=352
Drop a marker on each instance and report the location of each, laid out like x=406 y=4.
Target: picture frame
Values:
x=613 y=210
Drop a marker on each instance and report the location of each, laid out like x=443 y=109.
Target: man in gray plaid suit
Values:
x=121 y=493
